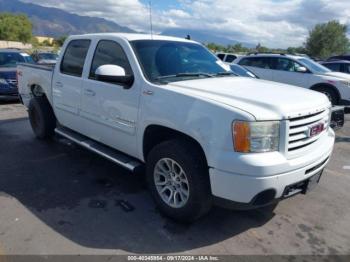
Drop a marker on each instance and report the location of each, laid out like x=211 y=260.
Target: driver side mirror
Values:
x=302 y=69
x=114 y=74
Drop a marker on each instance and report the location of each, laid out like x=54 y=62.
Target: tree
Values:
x=297 y=50
x=262 y=49
x=59 y=41
x=327 y=39
x=15 y=28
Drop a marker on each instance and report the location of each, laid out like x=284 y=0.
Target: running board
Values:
x=109 y=153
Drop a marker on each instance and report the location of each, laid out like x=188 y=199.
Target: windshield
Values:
x=47 y=56
x=8 y=59
x=168 y=61
x=313 y=66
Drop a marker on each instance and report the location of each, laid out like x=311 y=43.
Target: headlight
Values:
x=256 y=137
x=347 y=83
x=3 y=81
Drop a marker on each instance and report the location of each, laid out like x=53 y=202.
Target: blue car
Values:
x=9 y=58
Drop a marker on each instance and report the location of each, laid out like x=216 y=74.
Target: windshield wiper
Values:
x=184 y=75
x=228 y=73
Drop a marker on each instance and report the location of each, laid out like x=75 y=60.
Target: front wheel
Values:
x=177 y=176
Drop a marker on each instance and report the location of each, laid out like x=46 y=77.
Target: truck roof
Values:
x=133 y=37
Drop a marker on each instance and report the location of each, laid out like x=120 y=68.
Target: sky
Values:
x=273 y=23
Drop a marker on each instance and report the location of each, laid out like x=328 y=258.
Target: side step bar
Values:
x=100 y=149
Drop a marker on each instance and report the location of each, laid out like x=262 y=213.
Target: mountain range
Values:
x=54 y=22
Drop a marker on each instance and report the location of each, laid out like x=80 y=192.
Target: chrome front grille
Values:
x=299 y=129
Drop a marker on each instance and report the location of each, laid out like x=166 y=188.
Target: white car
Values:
x=203 y=134
x=300 y=71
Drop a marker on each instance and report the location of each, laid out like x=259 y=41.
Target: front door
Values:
x=109 y=109
x=286 y=71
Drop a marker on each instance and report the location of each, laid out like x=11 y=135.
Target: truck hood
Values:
x=265 y=100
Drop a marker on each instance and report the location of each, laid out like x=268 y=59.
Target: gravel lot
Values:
x=56 y=198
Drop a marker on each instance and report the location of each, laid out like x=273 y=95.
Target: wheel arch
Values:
x=155 y=134
x=37 y=90
x=327 y=85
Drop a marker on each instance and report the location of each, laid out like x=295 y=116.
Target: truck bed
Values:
x=30 y=75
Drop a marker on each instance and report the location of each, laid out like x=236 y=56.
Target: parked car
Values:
x=242 y=71
x=9 y=58
x=339 y=57
x=204 y=135
x=46 y=58
x=300 y=71
x=342 y=66
x=227 y=57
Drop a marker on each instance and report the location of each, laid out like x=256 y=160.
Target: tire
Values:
x=41 y=117
x=187 y=157
x=330 y=93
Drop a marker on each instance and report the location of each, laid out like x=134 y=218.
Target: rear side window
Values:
x=74 y=57
x=109 y=53
x=261 y=62
x=230 y=58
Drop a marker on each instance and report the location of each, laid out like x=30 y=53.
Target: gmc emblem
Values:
x=316 y=129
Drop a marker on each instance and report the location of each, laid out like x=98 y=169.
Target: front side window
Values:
x=109 y=53
x=285 y=64
x=74 y=57
x=176 y=61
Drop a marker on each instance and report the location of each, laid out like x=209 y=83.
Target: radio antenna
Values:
x=150 y=18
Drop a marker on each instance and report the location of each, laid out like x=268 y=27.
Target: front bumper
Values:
x=246 y=190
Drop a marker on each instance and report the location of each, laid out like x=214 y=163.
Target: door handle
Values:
x=59 y=85
x=89 y=92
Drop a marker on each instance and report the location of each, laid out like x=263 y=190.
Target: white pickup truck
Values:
x=203 y=134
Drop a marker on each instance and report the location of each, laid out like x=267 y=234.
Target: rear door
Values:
x=285 y=71
x=260 y=66
x=67 y=82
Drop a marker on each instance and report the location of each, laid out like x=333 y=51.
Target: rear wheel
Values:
x=177 y=176
x=41 y=117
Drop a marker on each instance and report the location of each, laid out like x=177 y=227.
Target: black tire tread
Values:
x=192 y=160
x=46 y=128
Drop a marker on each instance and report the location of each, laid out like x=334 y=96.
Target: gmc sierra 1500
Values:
x=204 y=134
